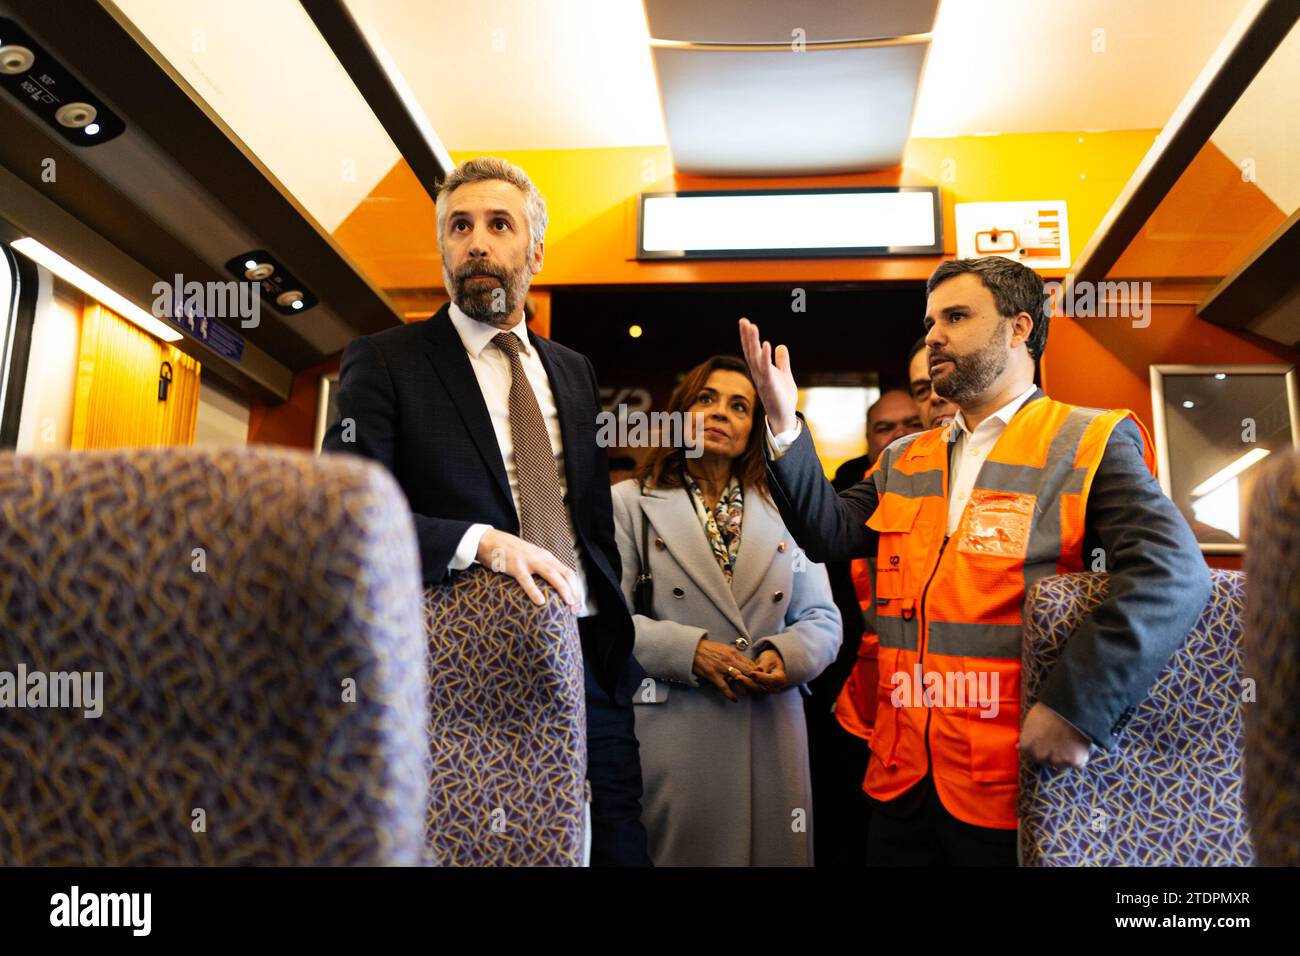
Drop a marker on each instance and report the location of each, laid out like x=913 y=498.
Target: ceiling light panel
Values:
x=782 y=21
x=813 y=113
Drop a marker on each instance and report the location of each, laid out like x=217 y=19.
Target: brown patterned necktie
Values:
x=543 y=519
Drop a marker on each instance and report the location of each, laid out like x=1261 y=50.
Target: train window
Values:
x=837 y=417
x=1212 y=426
x=327 y=412
x=17 y=296
x=8 y=290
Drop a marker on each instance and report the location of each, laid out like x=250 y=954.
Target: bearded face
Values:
x=962 y=378
x=486 y=291
x=489 y=256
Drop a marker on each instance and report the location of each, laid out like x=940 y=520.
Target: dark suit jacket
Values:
x=825 y=687
x=1159 y=582
x=418 y=410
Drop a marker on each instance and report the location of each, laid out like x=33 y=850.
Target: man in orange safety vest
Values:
x=962 y=519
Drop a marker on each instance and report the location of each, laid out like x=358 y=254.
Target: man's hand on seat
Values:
x=507 y=554
x=1048 y=738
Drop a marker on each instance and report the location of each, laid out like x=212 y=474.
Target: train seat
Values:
x=1172 y=792
x=246 y=622
x=1273 y=659
x=508 y=726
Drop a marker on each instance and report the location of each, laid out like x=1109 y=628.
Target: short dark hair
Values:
x=911 y=353
x=1016 y=288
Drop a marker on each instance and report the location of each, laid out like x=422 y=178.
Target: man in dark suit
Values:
x=986 y=322
x=491 y=433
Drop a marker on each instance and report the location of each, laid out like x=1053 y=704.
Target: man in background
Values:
x=838 y=755
x=934 y=409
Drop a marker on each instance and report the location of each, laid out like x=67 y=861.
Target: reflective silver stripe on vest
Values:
x=1060 y=477
x=974 y=640
x=1057 y=477
x=920 y=484
x=1025 y=479
x=896 y=633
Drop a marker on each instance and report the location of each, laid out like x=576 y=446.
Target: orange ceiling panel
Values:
x=1210 y=221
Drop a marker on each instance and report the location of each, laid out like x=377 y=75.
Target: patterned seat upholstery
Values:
x=508 y=726
x=1172 y=792
x=1273 y=659
x=255 y=617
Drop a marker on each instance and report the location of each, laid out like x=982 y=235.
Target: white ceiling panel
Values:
x=1030 y=66
x=523 y=74
x=265 y=69
x=575 y=74
x=1262 y=132
x=784 y=113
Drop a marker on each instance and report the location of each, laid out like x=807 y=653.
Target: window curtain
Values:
x=117 y=386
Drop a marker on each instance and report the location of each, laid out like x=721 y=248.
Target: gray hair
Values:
x=482 y=168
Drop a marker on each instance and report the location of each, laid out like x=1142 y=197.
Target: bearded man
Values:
x=491 y=432
x=962 y=519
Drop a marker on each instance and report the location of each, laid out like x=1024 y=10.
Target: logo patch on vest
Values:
x=996 y=523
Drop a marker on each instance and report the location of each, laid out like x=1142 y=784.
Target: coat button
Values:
x=678 y=592
x=777 y=595
x=781 y=547
x=659 y=543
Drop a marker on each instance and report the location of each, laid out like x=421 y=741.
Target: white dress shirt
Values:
x=492 y=369
x=972 y=447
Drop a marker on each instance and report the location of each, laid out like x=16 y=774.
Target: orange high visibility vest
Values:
x=855 y=707
x=948 y=611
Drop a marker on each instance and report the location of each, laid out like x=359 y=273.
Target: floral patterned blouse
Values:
x=722 y=523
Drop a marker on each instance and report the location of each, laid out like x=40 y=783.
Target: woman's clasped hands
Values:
x=730 y=671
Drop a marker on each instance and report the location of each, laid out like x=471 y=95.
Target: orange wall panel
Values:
x=1210 y=221
x=1106 y=362
x=292 y=422
x=592 y=202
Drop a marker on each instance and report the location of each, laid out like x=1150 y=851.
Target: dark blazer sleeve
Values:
x=826 y=525
x=1159 y=584
x=602 y=507
x=368 y=400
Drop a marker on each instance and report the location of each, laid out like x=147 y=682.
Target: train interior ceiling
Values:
x=152 y=142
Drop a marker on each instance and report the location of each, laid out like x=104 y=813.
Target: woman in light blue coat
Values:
x=736 y=620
